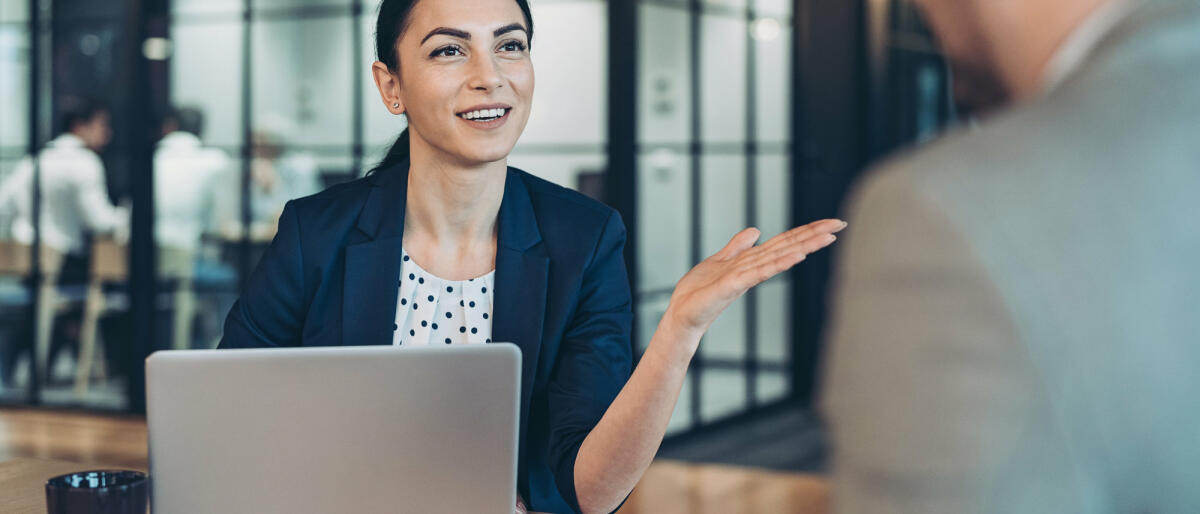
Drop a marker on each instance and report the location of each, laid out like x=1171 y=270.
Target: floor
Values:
x=670 y=486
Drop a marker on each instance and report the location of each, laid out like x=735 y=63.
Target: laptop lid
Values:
x=337 y=429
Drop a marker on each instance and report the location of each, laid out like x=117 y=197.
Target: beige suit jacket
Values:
x=1017 y=312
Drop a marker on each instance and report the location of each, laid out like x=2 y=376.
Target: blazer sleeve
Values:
x=931 y=396
x=595 y=359
x=271 y=310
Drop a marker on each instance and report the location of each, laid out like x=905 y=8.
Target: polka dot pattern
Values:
x=465 y=306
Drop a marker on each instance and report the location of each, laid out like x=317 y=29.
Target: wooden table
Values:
x=23 y=482
x=683 y=487
x=667 y=487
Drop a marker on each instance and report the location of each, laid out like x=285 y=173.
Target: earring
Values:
x=396 y=105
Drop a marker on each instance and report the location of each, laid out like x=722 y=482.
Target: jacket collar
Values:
x=383 y=215
x=1083 y=39
x=1139 y=20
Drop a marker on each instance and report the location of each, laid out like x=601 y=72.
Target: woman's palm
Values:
x=708 y=289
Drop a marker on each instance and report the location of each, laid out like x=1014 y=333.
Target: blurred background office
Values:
x=694 y=118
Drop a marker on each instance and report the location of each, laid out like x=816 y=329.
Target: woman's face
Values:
x=466 y=80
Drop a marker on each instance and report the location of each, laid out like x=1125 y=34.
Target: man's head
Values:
x=86 y=119
x=998 y=49
x=184 y=119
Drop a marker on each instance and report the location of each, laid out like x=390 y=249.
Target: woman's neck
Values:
x=452 y=209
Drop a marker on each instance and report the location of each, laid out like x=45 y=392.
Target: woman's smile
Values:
x=486 y=117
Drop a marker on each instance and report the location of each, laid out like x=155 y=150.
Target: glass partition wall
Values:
x=713 y=104
x=63 y=295
x=18 y=286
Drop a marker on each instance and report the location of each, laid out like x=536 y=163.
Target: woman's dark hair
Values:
x=389 y=26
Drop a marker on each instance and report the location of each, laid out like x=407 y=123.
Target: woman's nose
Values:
x=485 y=74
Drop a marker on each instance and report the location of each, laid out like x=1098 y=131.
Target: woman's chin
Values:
x=482 y=156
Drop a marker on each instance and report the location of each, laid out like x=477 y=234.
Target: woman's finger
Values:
x=762 y=268
x=813 y=243
x=745 y=247
x=809 y=245
x=739 y=243
x=829 y=226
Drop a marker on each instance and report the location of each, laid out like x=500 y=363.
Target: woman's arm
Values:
x=615 y=454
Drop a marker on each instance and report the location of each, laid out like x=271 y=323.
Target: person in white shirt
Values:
x=184 y=173
x=1015 y=318
x=278 y=173
x=74 y=194
x=74 y=197
x=186 y=178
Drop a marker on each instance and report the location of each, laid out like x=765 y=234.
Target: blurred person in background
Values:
x=1015 y=326
x=277 y=174
x=74 y=193
x=184 y=175
x=74 y=203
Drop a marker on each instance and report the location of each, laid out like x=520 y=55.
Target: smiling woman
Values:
x=475 y=71
x=444 y=243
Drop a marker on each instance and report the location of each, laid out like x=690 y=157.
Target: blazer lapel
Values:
x=522 y=272
x=372 y=268
x=372 y=271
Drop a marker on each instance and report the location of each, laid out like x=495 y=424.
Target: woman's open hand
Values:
x=705 y=291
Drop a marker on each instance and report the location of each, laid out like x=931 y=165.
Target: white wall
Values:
x=206 y=72
x=301 y=80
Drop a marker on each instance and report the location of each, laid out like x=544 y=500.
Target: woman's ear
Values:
x=389 y=87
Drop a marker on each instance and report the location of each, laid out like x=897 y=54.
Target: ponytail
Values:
x=399 y=152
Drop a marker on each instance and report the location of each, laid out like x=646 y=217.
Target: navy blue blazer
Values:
x=562 y=295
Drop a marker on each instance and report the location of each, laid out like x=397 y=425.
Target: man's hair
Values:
x=187 y=119
x=73 y=110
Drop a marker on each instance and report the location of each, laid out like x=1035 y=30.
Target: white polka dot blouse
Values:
x=431 y=310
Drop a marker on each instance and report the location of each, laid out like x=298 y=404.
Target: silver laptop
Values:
x=340 y=429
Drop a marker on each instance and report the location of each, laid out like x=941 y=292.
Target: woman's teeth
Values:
x=483 y=114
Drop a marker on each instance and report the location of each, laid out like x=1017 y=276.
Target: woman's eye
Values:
x=446 y=51
x=513 y=46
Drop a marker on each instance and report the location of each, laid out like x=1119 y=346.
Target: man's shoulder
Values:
x=1017 y=151
x=75 y=161
x=916 y=171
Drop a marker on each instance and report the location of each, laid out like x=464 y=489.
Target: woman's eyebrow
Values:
x=509 y=28
x=448 y=32
x=461 y=34
x=465 y=35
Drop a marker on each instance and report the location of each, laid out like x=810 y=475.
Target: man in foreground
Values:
x=1015 y=326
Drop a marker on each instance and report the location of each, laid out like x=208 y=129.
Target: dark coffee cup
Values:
x=98 y=492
